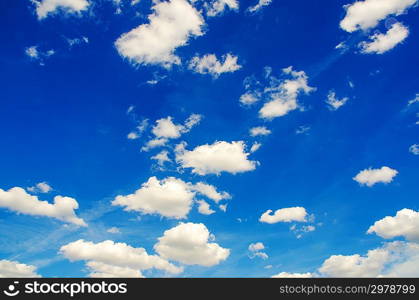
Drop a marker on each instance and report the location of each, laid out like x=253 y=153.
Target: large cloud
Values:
x=216 y=158
x=283 y=96
x=209 y=64
x=190 y=244
x=366 y=14
x=14 y=269
x=297 y=214
x=46 y=7
x=381 y=43
x=170 y=26
x=115 y=259
x=405 y=223
x=370 y=176
x=170 y=197
x=18 y=200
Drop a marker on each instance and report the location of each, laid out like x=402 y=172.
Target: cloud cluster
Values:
x=370 y=176
x=215 y=158
x=48 y=7
x=256 y=250
x=380 y=43
x=190 y=244
x=18 y=200
x=170 y=197
x=14 y=269
x=170 y=26
x=110 y=259
x=209 y=64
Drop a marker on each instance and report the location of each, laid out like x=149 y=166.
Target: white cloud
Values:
x=41 y=187
x=414 y=149
x=169 y=197
x=36 y=55
x=101 y=270
x=370 y=176
x=395 y=259
x=293 y=275
x=209 y=64
x=259 y=5
x=223 y=207
x=255 y=147
x=216 y=7
x=107 y=256
x=133 y=136
x=14 y=269
x=189 y=243
x=77 y=41
x=283 y=96
x=302 y=129
x=170 y=26
x=113 y=230
x=210 y=191
x=166 y=129
x=16 y=199
x=405 y=223
x=254 y=247
x=162 y=157
x=46 y=7
x=215 y=158
x=335 y=103
x=204 y=208
x=380 y=43
x=297 y=214
x=414 y=100
x=249 y=98
x=261 y=130
x=366 y=14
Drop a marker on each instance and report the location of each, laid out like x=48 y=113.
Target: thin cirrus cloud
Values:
x=209 y=64
x=14 y=269
x=191 y=244
x=291 y=214
x=115 y=259
x=18 y=200
x=169 y=197
x=366 y=14
x=49 y=7
x=380 y=43
x=370 y=177
x=215 y=158
x=170 y=26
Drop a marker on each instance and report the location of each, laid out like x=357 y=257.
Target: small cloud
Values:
x=113 y=230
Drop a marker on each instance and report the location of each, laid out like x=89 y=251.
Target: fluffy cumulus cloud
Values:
x=210 y=192
x=209 y=64
x=255 y=250
x=293 y=275
x=18 y=200
x=260 y=130
x=291 y=214
x=395 y=259
x=333 y=102
x=14 y=269
x=165 y=129
x=170 y=26
x=380 y=43
x=169 y=197
x=366 y=14
x=41 y=187
x=47 y=7
x=162 y=157
x=405 y=223
x=217 y=7
x=414 y=149
x=259 y=5
x=101 y=270
x=370 y=176
x=283 y=95
x=191 y=244
x=215 y=158
x=249 y=98
x=109 y=257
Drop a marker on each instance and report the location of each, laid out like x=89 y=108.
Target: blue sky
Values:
x=73 y=89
